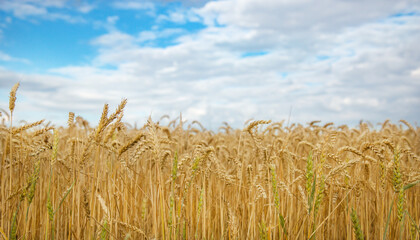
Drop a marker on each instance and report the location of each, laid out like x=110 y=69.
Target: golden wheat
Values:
x=176 y=181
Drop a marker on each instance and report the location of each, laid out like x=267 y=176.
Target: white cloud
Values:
x=147 y=7
x=187 y=3
x=133 y=5
x=179 y=16
x=85 y=7
x=22 y=10
x=176 y=17
x=149 y=36
x=33 y=9
x=7 y=58
x=415 y=73
x=48 y=3
x=112 y=19
x=65 y=17
x=117 y=41
x=301 y=15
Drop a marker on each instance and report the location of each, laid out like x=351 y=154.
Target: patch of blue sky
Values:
x=134 y=21
x=4 y=96
x=47 y=44
x=110 y=67
x=168 y=34
x=165 y=39
x=405 y=14
x=283 y=74
x=130 y=21
x=161 y=42
x=322 y=57
x=313 y=84
x=190 y=27
x=217 y=24
x=254 y=54
x=22 y=67
x=399 y=18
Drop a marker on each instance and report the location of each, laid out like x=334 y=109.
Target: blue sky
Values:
x=213 y=61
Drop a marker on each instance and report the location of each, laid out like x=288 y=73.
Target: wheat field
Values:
x=182 y=181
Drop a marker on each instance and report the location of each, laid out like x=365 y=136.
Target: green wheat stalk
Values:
x=356 y=225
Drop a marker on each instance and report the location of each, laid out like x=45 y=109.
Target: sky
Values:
x=212 y=61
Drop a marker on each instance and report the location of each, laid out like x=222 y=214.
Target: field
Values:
x=181 y=181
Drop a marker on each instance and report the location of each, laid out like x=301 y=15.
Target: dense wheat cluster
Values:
x=181 y=181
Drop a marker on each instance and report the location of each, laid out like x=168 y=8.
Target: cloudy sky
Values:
x=213 y=61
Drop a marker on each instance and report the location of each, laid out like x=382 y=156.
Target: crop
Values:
x=182 y=181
